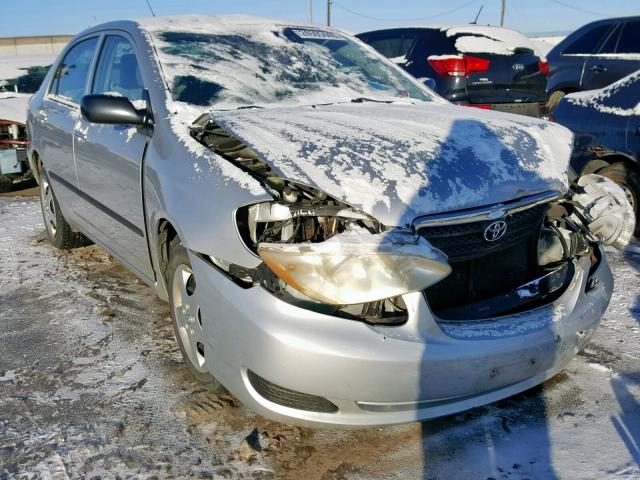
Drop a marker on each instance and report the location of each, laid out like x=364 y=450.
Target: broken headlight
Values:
x=356 y=266
x=333 y=254
x=604 y=209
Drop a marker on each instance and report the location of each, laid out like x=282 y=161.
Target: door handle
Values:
x=43 y=115
x=598 y=68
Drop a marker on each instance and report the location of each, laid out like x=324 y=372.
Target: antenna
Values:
x=475 y=20
x=150 y=9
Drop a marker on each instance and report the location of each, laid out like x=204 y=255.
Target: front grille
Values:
x=464 y=241
x=290 y=398
x=480 y=269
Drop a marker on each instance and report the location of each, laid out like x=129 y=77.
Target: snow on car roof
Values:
x=598 y=98
x=13 y=106
x=484 y=38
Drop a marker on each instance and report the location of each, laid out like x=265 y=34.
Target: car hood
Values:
x=400 y=161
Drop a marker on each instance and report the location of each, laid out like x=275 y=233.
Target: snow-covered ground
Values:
x=92 y=386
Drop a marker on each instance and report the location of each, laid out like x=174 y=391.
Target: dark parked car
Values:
x=606 y=123
x=480 y=66
x=594 y=56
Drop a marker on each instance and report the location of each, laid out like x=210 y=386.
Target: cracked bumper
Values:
x=385 y=375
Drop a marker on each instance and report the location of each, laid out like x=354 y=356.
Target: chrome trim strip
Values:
x=492 y=212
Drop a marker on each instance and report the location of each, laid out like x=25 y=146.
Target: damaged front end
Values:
x=323 y=255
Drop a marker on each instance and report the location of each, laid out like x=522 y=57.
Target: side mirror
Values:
x=111 y=110
x=429 y=82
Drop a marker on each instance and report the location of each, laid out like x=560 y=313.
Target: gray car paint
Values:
x=183 y=187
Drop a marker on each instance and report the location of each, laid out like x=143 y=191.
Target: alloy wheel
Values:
x=187 y=314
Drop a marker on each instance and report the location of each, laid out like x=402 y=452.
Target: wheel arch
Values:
x=602 y=161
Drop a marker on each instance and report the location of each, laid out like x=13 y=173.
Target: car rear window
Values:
x=489 y=40
x=588 y=42
x=394 y=47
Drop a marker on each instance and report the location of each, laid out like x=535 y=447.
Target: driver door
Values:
x=109 y=159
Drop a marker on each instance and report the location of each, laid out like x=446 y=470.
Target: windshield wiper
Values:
x=365 y=99
x=244 y=107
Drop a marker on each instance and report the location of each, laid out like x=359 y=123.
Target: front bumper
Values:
x=384 y=375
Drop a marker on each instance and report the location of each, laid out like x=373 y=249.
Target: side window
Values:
x=630 y=38
x=71 y=75
x=588 y=42
x=118 y=71
x=611 y=42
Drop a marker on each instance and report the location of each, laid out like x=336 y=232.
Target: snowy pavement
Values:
x=92 y=386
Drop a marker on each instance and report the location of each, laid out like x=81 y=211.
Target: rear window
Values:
x=491 y=40
x=587 y=43
x=630 y=38
x=393 y=47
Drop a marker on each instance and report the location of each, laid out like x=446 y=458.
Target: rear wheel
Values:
x=629 y=180
x=184 y=298
x=554 y=100
x=59 y=231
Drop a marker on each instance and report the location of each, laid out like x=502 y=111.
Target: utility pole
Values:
x=328 y=13
x=310 y=11
x=504 y=8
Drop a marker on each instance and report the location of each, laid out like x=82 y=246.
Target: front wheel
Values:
x=184 y=298
x=59 y=232
x=629 y=181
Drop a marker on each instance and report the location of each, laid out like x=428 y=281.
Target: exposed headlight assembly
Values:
x=356 y=266
x=604 y=210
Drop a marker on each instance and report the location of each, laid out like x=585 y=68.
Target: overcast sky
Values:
x=32 y=17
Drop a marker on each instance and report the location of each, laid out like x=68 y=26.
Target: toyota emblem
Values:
x=495 y=231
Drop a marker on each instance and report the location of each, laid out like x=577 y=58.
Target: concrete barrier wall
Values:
x=35 y=45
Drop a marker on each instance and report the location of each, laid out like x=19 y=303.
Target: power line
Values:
x=441 y=14
x=579 y=9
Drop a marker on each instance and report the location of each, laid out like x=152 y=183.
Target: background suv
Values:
x=480 y=66
x=594 y=56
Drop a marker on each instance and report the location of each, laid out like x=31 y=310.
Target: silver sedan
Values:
x=339 y=245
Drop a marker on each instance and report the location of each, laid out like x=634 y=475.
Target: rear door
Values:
x=109 y=160
x=57 y=117
x=567 y=69
x=617 y=57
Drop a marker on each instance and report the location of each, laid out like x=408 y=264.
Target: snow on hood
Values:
x=13 y=106
x=610 y=98
x=397 y=162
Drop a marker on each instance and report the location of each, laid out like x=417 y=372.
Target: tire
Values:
x=629 y=180
x=58 y=230
x=185 y=313
x=6 y=184
x=554 y=100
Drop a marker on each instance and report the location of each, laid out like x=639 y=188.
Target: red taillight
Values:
x=458 y=66
x=483 y=106
x=543 y=65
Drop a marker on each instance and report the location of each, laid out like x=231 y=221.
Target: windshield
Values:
x=256 y=65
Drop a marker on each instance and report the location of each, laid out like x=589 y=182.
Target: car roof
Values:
x=461 y=27
x=197 y=23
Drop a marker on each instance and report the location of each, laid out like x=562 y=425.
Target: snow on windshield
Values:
x=228 y=63
x=484 y=39
x=619 y=98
